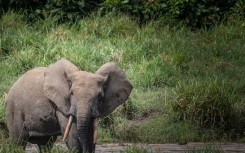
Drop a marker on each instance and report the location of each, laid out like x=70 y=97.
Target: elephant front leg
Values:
x=72 y=140
x=89 y=146
x=92 y=134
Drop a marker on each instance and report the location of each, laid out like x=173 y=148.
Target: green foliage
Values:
x=71 y=10
x=2 y=109
x=6 y=146
x=135 y=149
x=194 y=13
x=206 y=149
x=200 y=12
x=116 y=127
x=238 y=11
x=207 y=103
x=62 y=10
x=158 y=59
x=143 y=10
x=165 y=129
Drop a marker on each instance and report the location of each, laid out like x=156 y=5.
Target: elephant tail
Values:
x=4 y=132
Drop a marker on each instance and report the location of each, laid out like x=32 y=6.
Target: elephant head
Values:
x=96 y=95
x=117 y=88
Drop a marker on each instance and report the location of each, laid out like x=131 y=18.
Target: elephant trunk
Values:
x=83 y=121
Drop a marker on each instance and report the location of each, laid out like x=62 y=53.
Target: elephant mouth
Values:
x=94 y=126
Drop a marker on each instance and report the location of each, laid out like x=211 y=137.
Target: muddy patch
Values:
x=158 y=148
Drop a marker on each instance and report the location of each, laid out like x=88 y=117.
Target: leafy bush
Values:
x=192 y=12
x=63 y=10
x=71 y=10
x=238 y=11
x=200 y=12
x=142 y=10
x=195 y=13
x=208 y=103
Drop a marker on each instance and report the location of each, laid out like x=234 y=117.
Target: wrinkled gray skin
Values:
x=39 y=103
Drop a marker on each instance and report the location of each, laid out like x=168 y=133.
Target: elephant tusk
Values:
x=68 y=127
x=95 y=130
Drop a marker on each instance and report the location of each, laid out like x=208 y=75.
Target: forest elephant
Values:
x=62 y=100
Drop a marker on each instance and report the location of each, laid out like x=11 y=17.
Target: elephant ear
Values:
x=117 y=88
x=57 y=84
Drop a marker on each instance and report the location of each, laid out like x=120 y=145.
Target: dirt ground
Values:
x=159 y=148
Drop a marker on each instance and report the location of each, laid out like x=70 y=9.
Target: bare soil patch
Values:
x=159 y=148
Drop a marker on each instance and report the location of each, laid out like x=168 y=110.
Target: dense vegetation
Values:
x=189 y=85
x=195 y=13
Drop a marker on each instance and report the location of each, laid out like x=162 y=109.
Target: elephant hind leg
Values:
x=45 y=143
x=20 y=139
x=17 y=133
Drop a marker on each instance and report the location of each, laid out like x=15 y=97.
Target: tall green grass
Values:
x=206 y=149
x=208 y=103
x=168 y=66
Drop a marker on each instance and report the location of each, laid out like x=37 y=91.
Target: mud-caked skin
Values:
x=41 y=101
